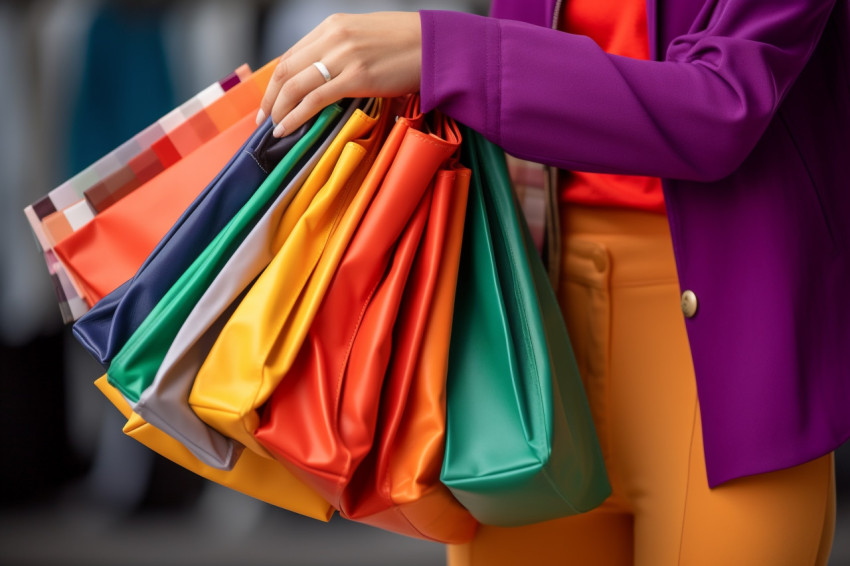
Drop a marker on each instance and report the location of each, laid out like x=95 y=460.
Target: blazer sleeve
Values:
x=559 y=99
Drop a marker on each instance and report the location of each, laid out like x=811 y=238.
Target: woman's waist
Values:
x=627 y=246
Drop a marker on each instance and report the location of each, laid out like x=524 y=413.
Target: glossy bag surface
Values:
x=397 y=487
x=261 y=478
x=259 y=343
x=520 y=443
x=165 y=403
x=109 y=250
x=320 y=420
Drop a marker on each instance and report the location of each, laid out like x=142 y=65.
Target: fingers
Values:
x=301 y=97
x=293 y=84
x=283 y=71
x=366 y=55
x=294 y=88
x=295 y=74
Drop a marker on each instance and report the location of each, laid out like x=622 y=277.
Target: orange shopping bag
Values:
x=109 y=250
x=321 y=418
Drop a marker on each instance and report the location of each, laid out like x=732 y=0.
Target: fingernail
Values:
x=278 y=131
x=261 y=116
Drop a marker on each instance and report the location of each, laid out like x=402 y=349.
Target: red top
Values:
x=618 y=27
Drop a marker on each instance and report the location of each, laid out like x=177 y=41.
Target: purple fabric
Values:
x=754 y=168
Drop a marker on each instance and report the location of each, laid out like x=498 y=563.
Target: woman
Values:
x=705 y=252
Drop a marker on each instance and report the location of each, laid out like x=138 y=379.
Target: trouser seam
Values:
x=688 y=483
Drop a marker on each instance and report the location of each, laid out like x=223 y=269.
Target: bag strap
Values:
x=536 y=188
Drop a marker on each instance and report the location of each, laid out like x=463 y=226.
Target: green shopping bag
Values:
x=520 y=443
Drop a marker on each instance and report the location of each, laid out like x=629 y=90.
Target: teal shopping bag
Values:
x=520 y=443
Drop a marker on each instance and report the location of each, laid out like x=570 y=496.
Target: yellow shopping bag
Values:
x=238 y=374
x=253 y=475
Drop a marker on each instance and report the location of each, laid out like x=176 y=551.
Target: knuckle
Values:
x=280 y=70
x=358 y=73
x=288 y=96
x=359 y=68
x=311 y=100
x=338 y=27
x=289 y=89
x=335 y=20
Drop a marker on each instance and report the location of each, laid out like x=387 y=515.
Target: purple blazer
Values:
x=745 y=115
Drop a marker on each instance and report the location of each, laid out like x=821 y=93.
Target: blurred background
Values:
x=78 y=78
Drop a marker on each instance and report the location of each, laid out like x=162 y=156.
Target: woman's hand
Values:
x=377 y=54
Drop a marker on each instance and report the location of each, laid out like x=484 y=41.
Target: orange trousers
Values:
x=620 y=296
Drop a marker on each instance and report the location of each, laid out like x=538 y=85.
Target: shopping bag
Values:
x=520 y=443
x=253 y=475
x=78 y=200
x=136 y=363
x=320 y=420
x=108 y=249
x=109 y=324
x=397 y=487
x=164 y=403
x=258 y=344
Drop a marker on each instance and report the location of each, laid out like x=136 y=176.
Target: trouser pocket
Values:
x=585 y=299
